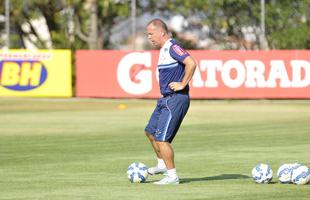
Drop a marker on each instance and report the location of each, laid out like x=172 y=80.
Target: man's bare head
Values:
x=157 y=32
x=159 y=24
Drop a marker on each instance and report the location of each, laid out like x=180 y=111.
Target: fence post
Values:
x=7 y=23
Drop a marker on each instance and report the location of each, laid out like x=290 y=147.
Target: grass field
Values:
x=63 y=149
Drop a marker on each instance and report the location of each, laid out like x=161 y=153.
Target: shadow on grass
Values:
x=214 y=178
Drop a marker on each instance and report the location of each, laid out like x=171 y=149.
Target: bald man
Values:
x=176 y=68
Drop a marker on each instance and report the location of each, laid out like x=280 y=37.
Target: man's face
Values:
x=154 y=35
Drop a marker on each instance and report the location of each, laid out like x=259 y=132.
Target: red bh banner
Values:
x=219 y=74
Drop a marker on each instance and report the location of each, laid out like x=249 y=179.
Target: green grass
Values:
x=63 y=149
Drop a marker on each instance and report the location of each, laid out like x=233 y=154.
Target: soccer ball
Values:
x=301 y=175
x=284 y=173
x=137 y=172
x=262 y=173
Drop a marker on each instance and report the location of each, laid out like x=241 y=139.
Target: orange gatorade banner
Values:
x=42 y=73
x=220 y=74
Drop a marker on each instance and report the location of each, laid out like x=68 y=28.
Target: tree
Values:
x=67 y=22
x=287 y=21
x=287 y=24
x=92 y=38
x=97 y=20
x=87 y=24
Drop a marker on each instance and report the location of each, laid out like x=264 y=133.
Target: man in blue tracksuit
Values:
x=176 y=68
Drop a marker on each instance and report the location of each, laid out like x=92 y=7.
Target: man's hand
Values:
x=176 y=86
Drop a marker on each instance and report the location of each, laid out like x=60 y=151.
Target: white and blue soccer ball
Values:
x=300 y=175
x=262 y=173
x=284 y=173
x=137 y=172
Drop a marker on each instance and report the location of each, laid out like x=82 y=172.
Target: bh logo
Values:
x=22 y=75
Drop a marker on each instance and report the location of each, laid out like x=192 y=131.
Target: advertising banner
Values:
x=219 y=74
x=42 y=73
